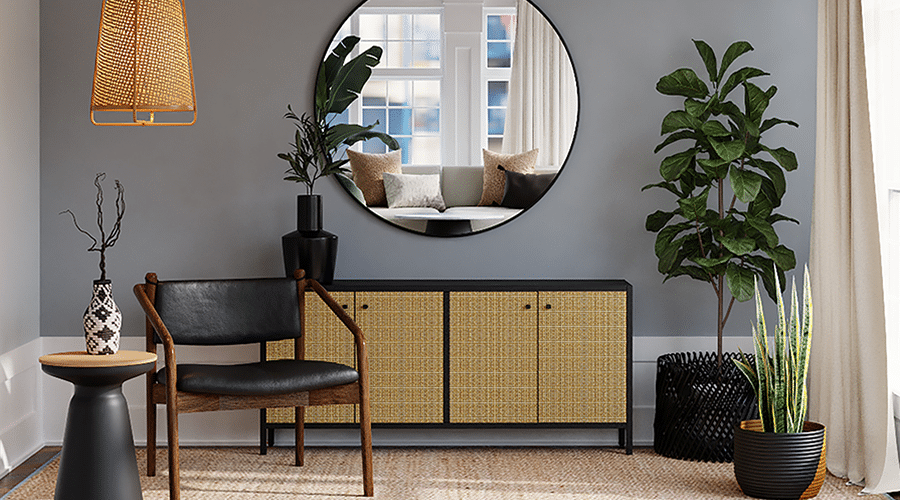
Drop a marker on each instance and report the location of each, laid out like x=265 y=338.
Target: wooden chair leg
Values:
x=365 y=429
x=174 y=469
x=299 y=447
x=151 y=438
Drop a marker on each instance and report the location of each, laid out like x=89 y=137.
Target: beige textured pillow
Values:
x=495 y=179
x=367 y=169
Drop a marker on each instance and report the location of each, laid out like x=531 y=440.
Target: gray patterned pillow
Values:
x=404 y=190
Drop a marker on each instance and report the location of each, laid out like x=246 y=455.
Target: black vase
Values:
x=310 y=247
x=779 y=465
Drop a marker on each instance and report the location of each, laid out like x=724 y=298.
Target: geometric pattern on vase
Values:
x=102 y=321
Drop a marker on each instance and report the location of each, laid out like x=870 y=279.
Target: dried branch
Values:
x=104 y=241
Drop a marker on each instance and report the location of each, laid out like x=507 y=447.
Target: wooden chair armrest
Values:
x=157 y=325
x=358 y=337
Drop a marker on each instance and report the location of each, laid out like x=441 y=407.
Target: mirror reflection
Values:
x=464 y=88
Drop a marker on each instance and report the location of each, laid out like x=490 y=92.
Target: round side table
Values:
x=98 y=460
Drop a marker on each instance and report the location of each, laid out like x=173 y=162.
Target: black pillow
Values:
x=523 y=190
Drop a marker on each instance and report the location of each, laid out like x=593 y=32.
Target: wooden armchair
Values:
x=243 y=311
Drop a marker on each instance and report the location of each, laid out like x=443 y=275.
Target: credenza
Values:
x=476 y=353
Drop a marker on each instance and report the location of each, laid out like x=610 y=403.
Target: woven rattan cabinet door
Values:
x=493 y=357
x=404 y=339
x=327 y=339
x=582 y=358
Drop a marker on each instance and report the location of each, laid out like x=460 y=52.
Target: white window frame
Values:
x=492 y=74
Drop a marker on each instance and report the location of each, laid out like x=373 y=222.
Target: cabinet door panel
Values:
x=327 y=339
x=582 y=357
x=493 y=357
x=404 y=337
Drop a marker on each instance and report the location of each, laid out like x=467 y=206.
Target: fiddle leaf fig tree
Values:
x=726 y=181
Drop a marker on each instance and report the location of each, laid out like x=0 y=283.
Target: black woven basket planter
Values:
x=697 y=408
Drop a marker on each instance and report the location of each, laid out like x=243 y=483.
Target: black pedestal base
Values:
x=314 y=252
x=450 y=227
x=98 y=460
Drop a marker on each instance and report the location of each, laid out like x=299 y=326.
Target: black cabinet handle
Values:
x=343 y=306
x=527 y=306
x=548 y=306
x=365 y=306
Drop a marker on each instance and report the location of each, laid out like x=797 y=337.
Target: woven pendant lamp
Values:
x=143 y=62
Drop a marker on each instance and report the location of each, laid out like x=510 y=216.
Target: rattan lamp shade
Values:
x=143 y=62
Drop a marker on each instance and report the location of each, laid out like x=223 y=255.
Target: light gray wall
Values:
x=208 y=200
x=19 y=173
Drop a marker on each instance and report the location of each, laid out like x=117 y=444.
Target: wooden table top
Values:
x=81 y=359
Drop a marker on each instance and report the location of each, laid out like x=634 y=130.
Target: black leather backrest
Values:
x=221 y=312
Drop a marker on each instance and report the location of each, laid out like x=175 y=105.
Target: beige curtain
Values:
x=848 y=367
x=543 y=97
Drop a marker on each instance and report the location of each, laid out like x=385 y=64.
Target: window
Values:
x=882 y=41
x=500 y=30
x=404 y=92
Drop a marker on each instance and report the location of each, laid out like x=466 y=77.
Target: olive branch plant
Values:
x=105 y=240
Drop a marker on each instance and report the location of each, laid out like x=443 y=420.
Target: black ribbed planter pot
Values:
x=309 y=247
x=698 y=406
x=779 y=465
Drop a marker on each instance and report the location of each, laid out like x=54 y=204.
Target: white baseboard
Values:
x=20 y=405
x=241 y=427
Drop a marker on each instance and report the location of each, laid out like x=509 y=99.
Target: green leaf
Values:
x=745 y=184
x=695 y=108
x=728 y=150
x=349 y=134
x=673 y=166
x=709 y=59
x=677 y=120
x=683 y=82
x=668 y=186
x=736 y=78
x=738 y=246
x=765 y=229
x=351 y=187
x=755 y=102
x=715 y=129
x=658 y=220
x=740 y=282
x=734 y=51
x=771 y=122
x=775 y=174
x=784 y=257
x=694 y=208
x=677 y=136
x=786 y=158
x=691 y=271
x=346 y=85
x=716 y=168
x=710 y=263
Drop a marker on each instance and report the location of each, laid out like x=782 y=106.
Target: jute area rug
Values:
x=435 y=473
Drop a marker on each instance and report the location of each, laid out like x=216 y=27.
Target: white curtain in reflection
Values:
x=543 y=97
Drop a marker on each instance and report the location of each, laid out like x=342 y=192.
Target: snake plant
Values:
x=779 y=377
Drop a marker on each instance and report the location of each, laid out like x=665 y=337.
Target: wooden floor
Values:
x=21 y=472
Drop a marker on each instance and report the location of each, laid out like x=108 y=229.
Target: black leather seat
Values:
x=240 y=312
x=261 y=379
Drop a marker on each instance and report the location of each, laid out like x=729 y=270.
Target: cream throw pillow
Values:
x=423 y=190
x=495 y=179
x=367 y=171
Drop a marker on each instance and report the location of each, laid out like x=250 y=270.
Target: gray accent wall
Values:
x=208 y=200
x=19 y=175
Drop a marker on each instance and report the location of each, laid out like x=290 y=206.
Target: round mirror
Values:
x=481 y=99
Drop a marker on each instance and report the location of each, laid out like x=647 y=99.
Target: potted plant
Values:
x=780 y=455
x=317 y=141
x=721 y=230
x=102 y=318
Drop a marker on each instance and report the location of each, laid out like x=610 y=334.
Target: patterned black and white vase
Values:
x=102 y=321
